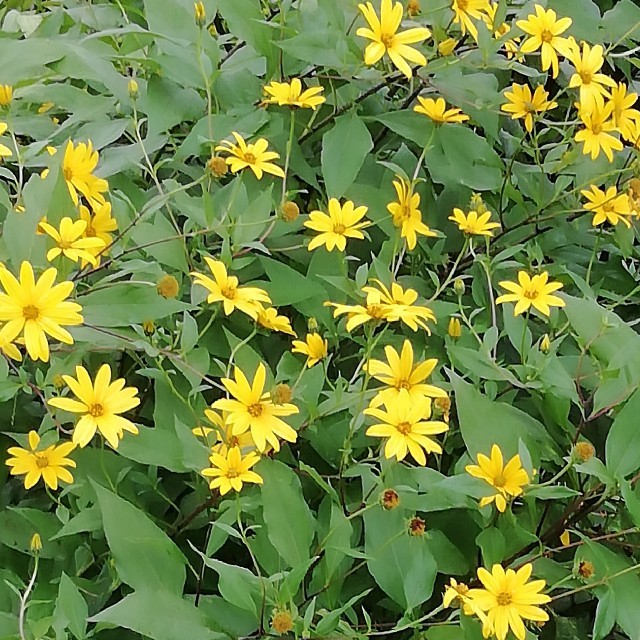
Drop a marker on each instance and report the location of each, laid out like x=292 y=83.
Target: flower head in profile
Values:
x=251 y=409
x=474 y=224
x=383 y=32
x=455 y=593
x=523 y=104
x=314 y=346
x=71 y=241
x=5 y=152
x=530 y=291
x=224 y=288
x=598 y=129
x=49 y=464
x=507 y=480
x=406 y=213
x=588 y=63
x=253 y=156
x=406 y=426
x=6 y=95
x=231 y=470
x=438 y=112
x=466 y=11
x=400 y=374
x=35 y=309
x=625 y=117
x=78 y=164
x=100 y=402
x=341 y=222
x=220 y=438
x=290 y=94
x=100 y=224
x=269 y=319
x=609 y=206
x=507 y=597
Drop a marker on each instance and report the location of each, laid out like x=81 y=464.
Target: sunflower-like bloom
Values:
x=231 y=470
x=530 y=291
x=507 y=598
x=609 y=206
x=407 y=427
x=78 y=165
x=334 y=227
x=5 y=152
x=400 y=374
x=586 y=77
x=465 y=11
x=544 y=29
x=36 y=309
x=269 y=319
x=253 y=156
x=48 y=464
x=507 y=480
x=523 y=104
x=70 y=241
x=406 y=213
x=251 y=409
x=474 y=224
x=500 y=30
x=100 y=403
x=625 y=117
x=598 y=129
x=224 y=288
x=6 y=94
x=314 y=346
x=382 y=32
x=100 y=224
x=221 y=438
x=290 y=94
x=438 y=112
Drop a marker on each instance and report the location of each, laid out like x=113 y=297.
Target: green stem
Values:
x=593 y=255
x=25 y=598
x=292 y=127
x=207 y=88
x=449 y=278
x=524 y=336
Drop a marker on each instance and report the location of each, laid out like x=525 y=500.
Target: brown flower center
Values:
x=504 y=599
x=404 y=427
x=403 y=384
x=375 y=311
x=255 y=409
x=90 y=232
x=42 y=461
x=607 y=207
x=67 y=172
x=546 y=35
x=387 y=40
x=232 y=473
x=249 y=157
x=96 y=410
x=586 y=77
x=339 y=228
x=596 y=128
x=64 y=244
x=228 y=292
x=531 y=294
x=30 y=312
x=463 y=5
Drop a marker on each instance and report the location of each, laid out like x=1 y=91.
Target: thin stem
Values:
x=207 y=87
x=524 y=336
x=452 y=272
x=593 y=255
x=25 y=597
x=292 y=127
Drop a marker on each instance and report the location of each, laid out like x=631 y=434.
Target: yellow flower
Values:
x=385 y=39
x=399 y=374
x=446 y=47
x=223 y=438
x=358 y=314
x=340 y=223
x=251 y=409
x=35 y=309
x=6 y=94
x=269 y=319
x=230 y=471
x=536 y=291
x=70 y=241
x=466 y=10
x=100 y=224
x=9 y=349
x=586 y=77
x=507 y=598
x=455 y=328
x=607 y=207
x=508 y=479
x=544 y=31
x=224 y=288
x=254 y=156
x=313 y=346
x=406 y=213
x=281 y=621
x=290 y=94
x=473 y=224
x=406 y=425
x=168 y=286
x=36 y=543
x=48 y=464
x=625 y=118
x=522 y=104
x=457 y=593
x=413 y=8
x=596 y=135
x=500 y=30
x=78 y=165
x=438 y=112
x=101 y=403
x=199 y=14
x=5 y=152
x=133 y=89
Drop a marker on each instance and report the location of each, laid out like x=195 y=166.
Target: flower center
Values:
x=499 y=481
x=228 y=292
x=529 y=107
x=586 y=77
x=387 y=40
x=403 y=384
x=375 y=311
x=339 y=229
x=232 y=473
x=42 y=461
x=255 y=409
x=404 y=427
x=546 y=35
x=531 y=294
x=96 y=410
x=64 y=244
x=405 y=212
x=504 y=599
x=90 y=232
x=68 y=173
x=607 y=207
x=596 y=128
x=463 y=4
x=30 y=312
x=249 y=157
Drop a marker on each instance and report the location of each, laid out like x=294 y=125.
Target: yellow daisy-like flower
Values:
x=100 y=403
x=500 y=30
x=224 y=288
x=251 y=409
x=382 y=32
x=253 y=156
x=508 y=479
x=598 y=129
x=221 y=438
x=6 y=94
x=100 y=224
x=5 y=152
x=232 y=470
x=314 y=346
x=586 y=78
x=358 y=314
x=406 y=213
x=438 y=112
x=35 y=309
x=78 y=165
x=473 y=224
x=544 y=29
x=523 y=104
x=625 y=117
x=465 y=11
x=456 y=592
x=334 y=227
x=507 y=598
x=48 y=464
x=400 y=374
x=530 y=291
x=290 y=94
x=269 y=319
x=609 y=207
x=70 y=241
x=406 y=425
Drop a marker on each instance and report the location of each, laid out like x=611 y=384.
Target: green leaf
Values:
x=168 y=249
x=71 y=607
x=410 y=125
x=623 y=441
x=623 y=21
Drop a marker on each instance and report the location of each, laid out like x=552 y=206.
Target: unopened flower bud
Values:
x=417 y=526
x=389 y=499
x=36 y=543
x=583 y=451
x=132 y=87
x=446 y=47
x=281 y=394
x=545 y=343
x=312 y=324
x=455 y=328
x=289 y=211
x=413 y=8
x=148 y=326
x=58 y=381
x=217 y=166
x=458 y=286
x=168 y=287
x=282 y=621
x=200 y=14
x=585 y=569
x=6 y=94
x=442 y=407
